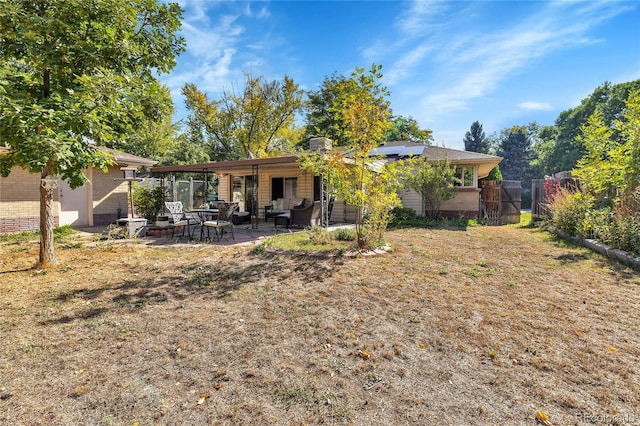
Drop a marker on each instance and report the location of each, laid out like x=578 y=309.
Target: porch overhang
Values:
x=216 y=166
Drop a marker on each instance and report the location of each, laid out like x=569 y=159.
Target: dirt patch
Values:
x=485 y=326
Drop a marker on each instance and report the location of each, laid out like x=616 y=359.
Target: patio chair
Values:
x=224 y=220
x=180 y=219
x=305 y=217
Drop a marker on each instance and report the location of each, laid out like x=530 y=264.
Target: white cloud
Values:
x=419 y=18
x=407 y=63
x=475 y=65
x=535 y=106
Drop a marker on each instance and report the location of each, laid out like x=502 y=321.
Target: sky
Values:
x=445 y=63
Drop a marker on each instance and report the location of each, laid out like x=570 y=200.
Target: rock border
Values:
x=621 y=256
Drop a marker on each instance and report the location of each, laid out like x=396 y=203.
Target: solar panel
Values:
x=398 y=150
x=412 y=150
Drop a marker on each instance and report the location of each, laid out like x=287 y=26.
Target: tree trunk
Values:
x=47 y=256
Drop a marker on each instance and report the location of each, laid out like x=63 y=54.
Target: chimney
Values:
x=320 y=144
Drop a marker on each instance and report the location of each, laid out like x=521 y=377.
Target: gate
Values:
x=511 y=192
x=501 y=202
x=491 y=203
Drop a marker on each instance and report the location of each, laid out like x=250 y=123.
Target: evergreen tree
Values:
x=515 y=149
x=475 y=140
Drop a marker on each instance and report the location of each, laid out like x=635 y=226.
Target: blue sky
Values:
x=445 y=63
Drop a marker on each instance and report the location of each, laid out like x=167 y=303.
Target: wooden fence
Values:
x=539 y=202
x=500 y=202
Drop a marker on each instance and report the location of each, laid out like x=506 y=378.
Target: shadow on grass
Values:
x=615 y=267
x=189 y=279
x=459 y=224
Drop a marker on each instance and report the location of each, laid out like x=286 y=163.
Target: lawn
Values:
x=483 y=325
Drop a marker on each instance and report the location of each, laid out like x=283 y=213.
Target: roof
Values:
x=226 y=165
x=391 y=151
x=403 y=149
x=123 y=158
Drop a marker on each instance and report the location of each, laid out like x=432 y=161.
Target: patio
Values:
x=244 y=235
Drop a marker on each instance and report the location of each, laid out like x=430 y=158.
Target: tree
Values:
x=363 y=117
x=407 y=129
x=515 y=149
x=610 y=169
x=72 y=72
x=323 y=120
x=435 y=182
x=565 y=151
x=321 y=115
x=155 y=134
x=475 y=139
x=249 y=122
x=543 y=147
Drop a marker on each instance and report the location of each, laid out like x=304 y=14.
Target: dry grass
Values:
x=488 y=325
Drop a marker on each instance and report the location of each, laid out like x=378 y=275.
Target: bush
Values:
x=319 y=235
x=569 y=211
x=625 y=234
x=148 y=200
x=597 y=224
x=344 y=234
x=404 y=213
x=574 y=213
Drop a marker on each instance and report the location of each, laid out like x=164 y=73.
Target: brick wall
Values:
x=20 y=202
x=20 y=199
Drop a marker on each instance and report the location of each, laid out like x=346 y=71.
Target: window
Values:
x=466 y=177
x=284 y=187
x=317 y=187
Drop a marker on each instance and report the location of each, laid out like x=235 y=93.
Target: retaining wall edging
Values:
x=621 y=256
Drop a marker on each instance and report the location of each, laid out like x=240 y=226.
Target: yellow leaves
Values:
x=203 y=398
x=422 y=345
x=612 y=349
x=364 y=355
x=543 y=418
x=351 y=335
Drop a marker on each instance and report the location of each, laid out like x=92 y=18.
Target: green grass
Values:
x=315 y=240
x=60 y=234
x=422 y=222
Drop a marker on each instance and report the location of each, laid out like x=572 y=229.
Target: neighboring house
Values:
x=470 y=166
x=100 y=201
x=282 y=177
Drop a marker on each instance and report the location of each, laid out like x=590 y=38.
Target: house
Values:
x=470 y=167
x=101 y=201
x=254 y=183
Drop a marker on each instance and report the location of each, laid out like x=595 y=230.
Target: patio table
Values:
x=269 y=213
x=203 y=214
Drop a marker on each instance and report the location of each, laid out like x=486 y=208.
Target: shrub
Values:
x=344 y=234
x=404 y=213
x=319 y=235
x=596 y=224
x=569 y=210
x=148 y=200
x=625 y=233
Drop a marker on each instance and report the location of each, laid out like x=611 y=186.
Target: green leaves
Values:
x=360 y=116
x=434 y=182
x=257 y=120
x=610 y=167
x=76 y=71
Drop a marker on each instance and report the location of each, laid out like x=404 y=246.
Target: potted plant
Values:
x=149 y=200
x=162 y=221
